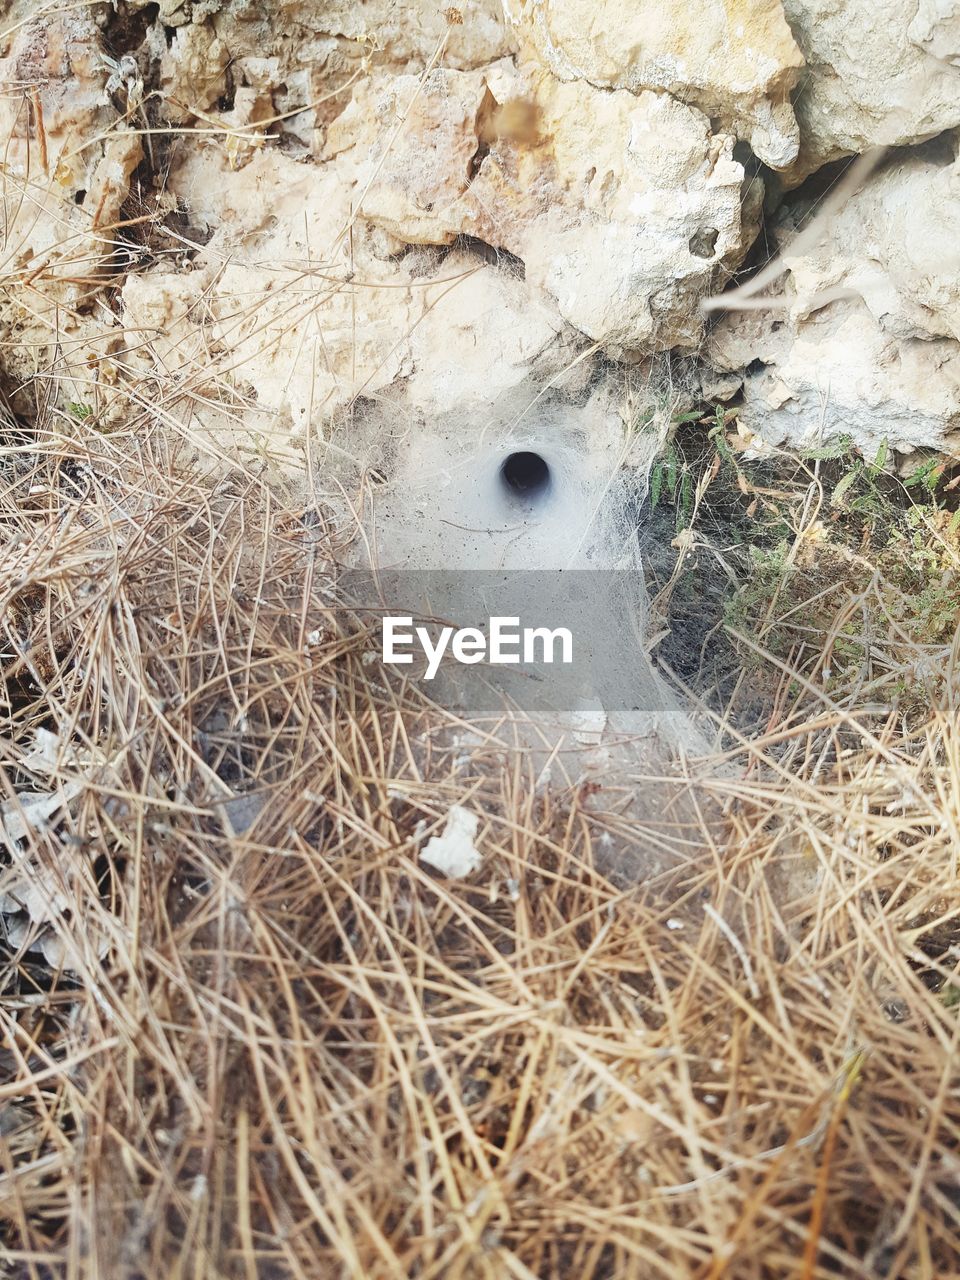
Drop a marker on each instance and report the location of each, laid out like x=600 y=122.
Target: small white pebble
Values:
x=674 y=923
x=454 y=853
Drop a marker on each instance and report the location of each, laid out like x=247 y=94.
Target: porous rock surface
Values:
x=878 y=73
x=435 y=203
x=624 y=207
x=69 y=152
x=881 y=362
x=736 y=61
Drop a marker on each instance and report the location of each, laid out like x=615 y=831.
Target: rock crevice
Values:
x=343 y=160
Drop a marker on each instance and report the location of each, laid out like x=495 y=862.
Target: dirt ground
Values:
x=248 y=1032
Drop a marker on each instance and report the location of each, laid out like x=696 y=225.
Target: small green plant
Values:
x=671 y=481
x=663 y=476
x=80 y=411
x=644 y=419
x=839 y=447
x=794 y=542
x=717 y=434
x=674 y=477
x=858 y=489
x=921 y=558
x=685 y=500
x=746 y=608
x=925 y=477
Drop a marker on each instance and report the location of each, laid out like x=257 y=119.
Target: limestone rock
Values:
x=879 y=73
x=625 y=208
x=936 y=29
x=305 y=311
x=165 y=308
x=177 y=13
x=408 y=150
x=738 y=62
x=57 y=124
x=192 y=73
x=68 y=157
x=837 y=373
x=308 y=55
x=110 y=179
x=895 y=245
x=867 y=343
x=609 y=205
x=454 y=853
x=407 y=34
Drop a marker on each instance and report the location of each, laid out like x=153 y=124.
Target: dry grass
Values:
x=259 y=1040
x=289 y=1050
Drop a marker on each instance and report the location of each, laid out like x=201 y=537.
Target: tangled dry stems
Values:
x=261 y=1040
x=276 y=1045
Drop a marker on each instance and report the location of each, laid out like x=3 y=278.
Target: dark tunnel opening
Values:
x=525 y=475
